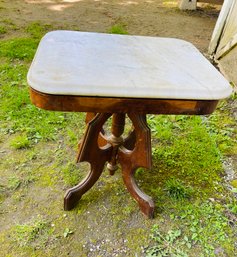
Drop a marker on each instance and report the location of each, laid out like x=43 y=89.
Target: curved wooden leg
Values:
x=140 y=156
x=92 y=153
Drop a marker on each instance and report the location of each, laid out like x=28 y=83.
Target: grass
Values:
x=13 y=183
x=20 y=142
x=35 y=234
x=187 y=173
x=17 y=113
x=203 y=227
x=176 y=189
x=18 y=48
x=71 y=174
x=37 y=29
x=166 y=244
x=188 y=149
x=2 y=30
x=118 y=29
x=195 y=212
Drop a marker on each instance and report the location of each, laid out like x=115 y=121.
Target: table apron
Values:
x=71 y=103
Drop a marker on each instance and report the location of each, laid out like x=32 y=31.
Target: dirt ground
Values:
x=139 y=17
x=152 y=18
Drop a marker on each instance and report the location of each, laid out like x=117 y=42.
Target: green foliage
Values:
x=20 y=142
x=72 y=135
x=221 y=126
x=233 y=207
x=8 y=22
x=2 y=193
x=8 y=25
x=208 y=226
x=187 y=162
x=17 y=114
x=166 y=244
x=176 y=189
x=37 y=30
x=13 y=183
x=118 y=29
x=234 y=183
x=18 y=48
x=185 y=149
x=201 y=226
x=67 y=232
x=2 y=30
x=35 y=233
x=71 y=174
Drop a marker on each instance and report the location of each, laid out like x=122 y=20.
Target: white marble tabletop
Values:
x=107 y=65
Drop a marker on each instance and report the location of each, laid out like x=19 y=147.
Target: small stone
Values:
x=188 y=4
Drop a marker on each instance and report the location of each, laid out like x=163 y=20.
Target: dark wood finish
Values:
x=121 y=105
x=131 y=152
x=113 y=152
x=140 y=156
x=118 y=123
x=130 y=141
x=90 y=152
x=90 y=116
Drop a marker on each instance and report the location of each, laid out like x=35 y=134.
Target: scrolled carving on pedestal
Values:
x=89 y=151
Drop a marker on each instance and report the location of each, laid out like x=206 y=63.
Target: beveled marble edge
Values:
x=199 y=95
x=217 y=94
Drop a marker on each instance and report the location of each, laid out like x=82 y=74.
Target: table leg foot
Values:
x=144 y=201
x=140 y=156
x=71 y=199
x=90 y=151
x=74 y=194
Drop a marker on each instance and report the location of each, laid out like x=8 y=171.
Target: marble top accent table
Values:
x=116 y=76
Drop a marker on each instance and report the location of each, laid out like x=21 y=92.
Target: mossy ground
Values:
x=195 y=208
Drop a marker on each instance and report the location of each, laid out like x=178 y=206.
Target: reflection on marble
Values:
x=95 y=64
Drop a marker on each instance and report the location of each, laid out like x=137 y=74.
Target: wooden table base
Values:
x=131 y=153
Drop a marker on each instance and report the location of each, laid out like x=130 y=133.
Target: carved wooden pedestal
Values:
x=131 y=153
